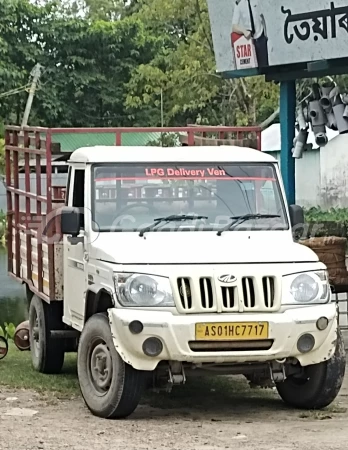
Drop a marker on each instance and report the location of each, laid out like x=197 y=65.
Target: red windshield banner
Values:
x=182 y=173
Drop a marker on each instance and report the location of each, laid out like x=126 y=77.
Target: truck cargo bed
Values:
x=36 y=188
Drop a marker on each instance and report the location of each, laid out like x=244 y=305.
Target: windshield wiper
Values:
x=174 y=218
x=238 y=220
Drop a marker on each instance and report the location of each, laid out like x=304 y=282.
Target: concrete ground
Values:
x=216 y=420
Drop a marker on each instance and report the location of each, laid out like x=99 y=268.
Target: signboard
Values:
x=256 y=34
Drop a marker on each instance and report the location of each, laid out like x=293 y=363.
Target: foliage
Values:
x=101 y=9
x=87 y=64
x=106 y=63
x=20 y=47
x=316 y=214
x=87 y=82
x=107 y=10
x=165 y=140
x=185 y=69
x=333 y=222
x=8 y=331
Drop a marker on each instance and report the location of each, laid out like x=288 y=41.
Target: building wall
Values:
x=334 y=173
x=308 y=183
x=322 y=175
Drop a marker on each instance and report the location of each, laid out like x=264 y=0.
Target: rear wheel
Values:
x=319 y=384
x=111 y=388
x=47 y=354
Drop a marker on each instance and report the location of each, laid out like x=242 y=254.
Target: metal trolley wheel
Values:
x=3 y=347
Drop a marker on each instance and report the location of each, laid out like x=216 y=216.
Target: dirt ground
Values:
x=245 y=421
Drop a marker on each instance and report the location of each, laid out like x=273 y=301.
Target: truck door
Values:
x=75 y=279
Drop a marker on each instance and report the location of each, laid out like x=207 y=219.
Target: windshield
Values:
x=129 y=197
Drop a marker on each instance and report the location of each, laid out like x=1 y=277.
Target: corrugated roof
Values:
x=72 y=141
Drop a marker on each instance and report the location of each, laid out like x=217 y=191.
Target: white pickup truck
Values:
x=180 y=262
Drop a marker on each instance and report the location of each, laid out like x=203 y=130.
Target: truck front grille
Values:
x=229 y=296
x=185 y=295
x=207 y=295
x=268 y=284
x=249 y=294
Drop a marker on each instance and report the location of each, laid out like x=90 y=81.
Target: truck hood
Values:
x=200 y=248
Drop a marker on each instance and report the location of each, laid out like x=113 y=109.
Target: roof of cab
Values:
x=146 y=154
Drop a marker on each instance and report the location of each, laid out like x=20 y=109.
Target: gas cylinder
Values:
x=21 y=337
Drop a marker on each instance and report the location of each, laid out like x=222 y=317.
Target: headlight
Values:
x=306 y=288
x=143 y=290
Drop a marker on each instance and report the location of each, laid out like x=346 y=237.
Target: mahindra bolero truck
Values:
x=176 y=263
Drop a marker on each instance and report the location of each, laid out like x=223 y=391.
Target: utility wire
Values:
x=15 y=91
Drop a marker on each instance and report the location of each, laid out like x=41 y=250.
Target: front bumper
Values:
x=176 y=331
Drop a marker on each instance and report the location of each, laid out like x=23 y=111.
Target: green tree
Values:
x=184 y=69
x=109 y=62
x=87 y=74
x=87 y=64
x=20 y=47
x=108 y=10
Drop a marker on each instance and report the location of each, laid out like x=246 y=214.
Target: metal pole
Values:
x=287 y=127
x=36 y=73
x=162 y=115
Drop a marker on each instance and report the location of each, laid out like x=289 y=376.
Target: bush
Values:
x=165 y=140
x=332 y=215
x=333 y=222
x=8 y=331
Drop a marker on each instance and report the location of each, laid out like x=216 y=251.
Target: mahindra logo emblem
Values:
x=227 y=279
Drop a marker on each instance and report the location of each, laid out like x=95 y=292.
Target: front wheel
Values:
x=111 y=388
x=319 y=384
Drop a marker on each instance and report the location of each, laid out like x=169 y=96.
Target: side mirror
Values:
x=297 y=221
x=296 y=215
x=70 y=221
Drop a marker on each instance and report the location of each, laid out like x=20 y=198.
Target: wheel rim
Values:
x=100 y=368
x=36 y=335
x=303 y=378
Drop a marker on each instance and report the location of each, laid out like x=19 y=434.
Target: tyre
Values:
x=3 y=347
x=111 y=388
x=319 y=384
x=47 y=354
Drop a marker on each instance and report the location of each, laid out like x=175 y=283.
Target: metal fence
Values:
x=342 y=302
x=70 y=139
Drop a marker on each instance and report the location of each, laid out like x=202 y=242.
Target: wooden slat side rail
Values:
x=21 y=147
